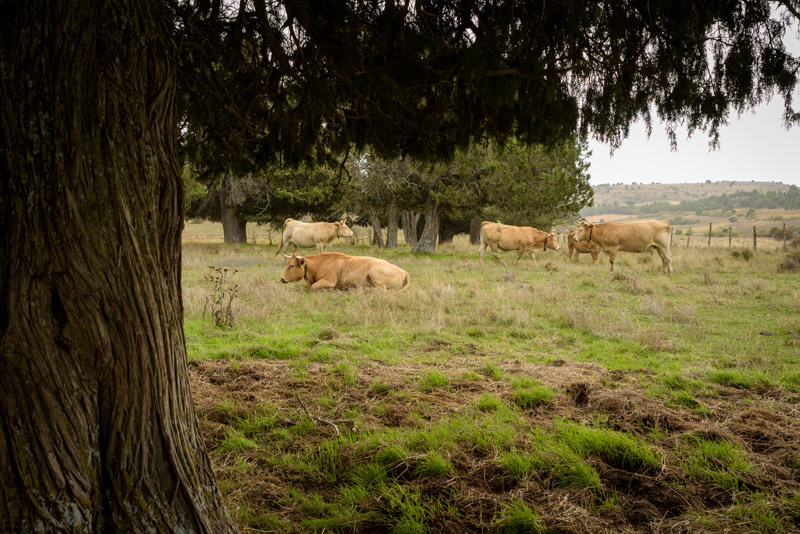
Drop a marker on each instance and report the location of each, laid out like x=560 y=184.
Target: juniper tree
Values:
x=97 y=425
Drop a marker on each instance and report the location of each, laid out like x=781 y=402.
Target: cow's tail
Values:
x=406 y=280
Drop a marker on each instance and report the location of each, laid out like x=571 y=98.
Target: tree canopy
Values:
x=277 y=79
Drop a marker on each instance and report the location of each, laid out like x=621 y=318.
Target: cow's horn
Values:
x=287 y=256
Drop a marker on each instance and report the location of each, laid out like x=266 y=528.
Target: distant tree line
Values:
x=431 y=202
x=724 y=204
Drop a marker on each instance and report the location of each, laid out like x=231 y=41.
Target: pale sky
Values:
x=755 y=146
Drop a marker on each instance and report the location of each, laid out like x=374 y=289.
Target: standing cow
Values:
x=636 y=236
x=334 y=270
x=520 y=238
x=306 y=235
x=581 y=247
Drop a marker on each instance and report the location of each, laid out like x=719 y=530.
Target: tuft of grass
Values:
x=491 y=371
x=433 y=465
x=489 y=403
x=518 y=518
x=714 y=459
x=434 y=379
x=619 y=450
x=755 y=511
x=529 y=394
x=236 y=441
x=370 y=475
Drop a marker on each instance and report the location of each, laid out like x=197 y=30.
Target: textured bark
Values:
x=97 y=425
x=427 y=241
x=377 y=234
x=234 y=227
x=475 y=231
x=391 y=226
x=409 y=220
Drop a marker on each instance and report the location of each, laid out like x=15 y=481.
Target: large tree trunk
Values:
x=391 y=226
x=234 y=228
x=409 y=220
x=427 y=241
x=377 y=234
x=97 y=426
x=475 y=231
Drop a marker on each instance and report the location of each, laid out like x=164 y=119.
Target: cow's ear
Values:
x=590 y=226
x=302 y=260
x=338 y=223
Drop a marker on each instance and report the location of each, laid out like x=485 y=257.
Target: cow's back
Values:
x=633 y=236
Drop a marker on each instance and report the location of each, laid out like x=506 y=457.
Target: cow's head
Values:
x=342 y=230
x=551 y=241
x=295 y=269
x=584 y=231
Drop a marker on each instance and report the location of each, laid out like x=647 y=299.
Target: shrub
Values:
x=790 y=263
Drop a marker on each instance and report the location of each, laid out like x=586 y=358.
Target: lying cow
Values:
x=520 y=238
x=334 y=270
x=636 y=236
x=581 y=247
x=306 y=235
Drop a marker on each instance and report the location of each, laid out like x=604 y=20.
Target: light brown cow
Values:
x=334 y=270
x=520 y=238
x=581 y=247
x=306 y=235
x=636 y=236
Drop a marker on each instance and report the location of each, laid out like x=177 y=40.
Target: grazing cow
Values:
x=334 y=270
x=520 y=238
x=306 y=235
x=581 y=247
x=636 y=236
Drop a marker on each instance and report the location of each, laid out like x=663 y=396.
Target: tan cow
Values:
x=306 y=235
x=520 y=238
x=636 y=236
x=334 y=270
x=581 y=247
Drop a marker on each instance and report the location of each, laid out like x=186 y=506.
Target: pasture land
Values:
x=547 y=398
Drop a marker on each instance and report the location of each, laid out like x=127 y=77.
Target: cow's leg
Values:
x=320 y=247
x=612 y=257
x=323 y=284
x=482 y=250
x=666 y=259
x=493 y=250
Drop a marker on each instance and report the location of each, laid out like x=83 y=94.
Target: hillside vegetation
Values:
x=607 y=194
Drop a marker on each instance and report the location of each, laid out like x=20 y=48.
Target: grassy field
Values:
x=546 y=398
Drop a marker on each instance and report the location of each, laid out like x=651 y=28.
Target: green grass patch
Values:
x=518 y=518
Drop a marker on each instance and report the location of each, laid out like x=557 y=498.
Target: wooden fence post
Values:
x=754 y=237
x=709 y=234
x=784 y=236
x=671 y=233
x=730 y=235
x=687 y=240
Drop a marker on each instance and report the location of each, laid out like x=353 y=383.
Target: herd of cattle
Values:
x=329 y=270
